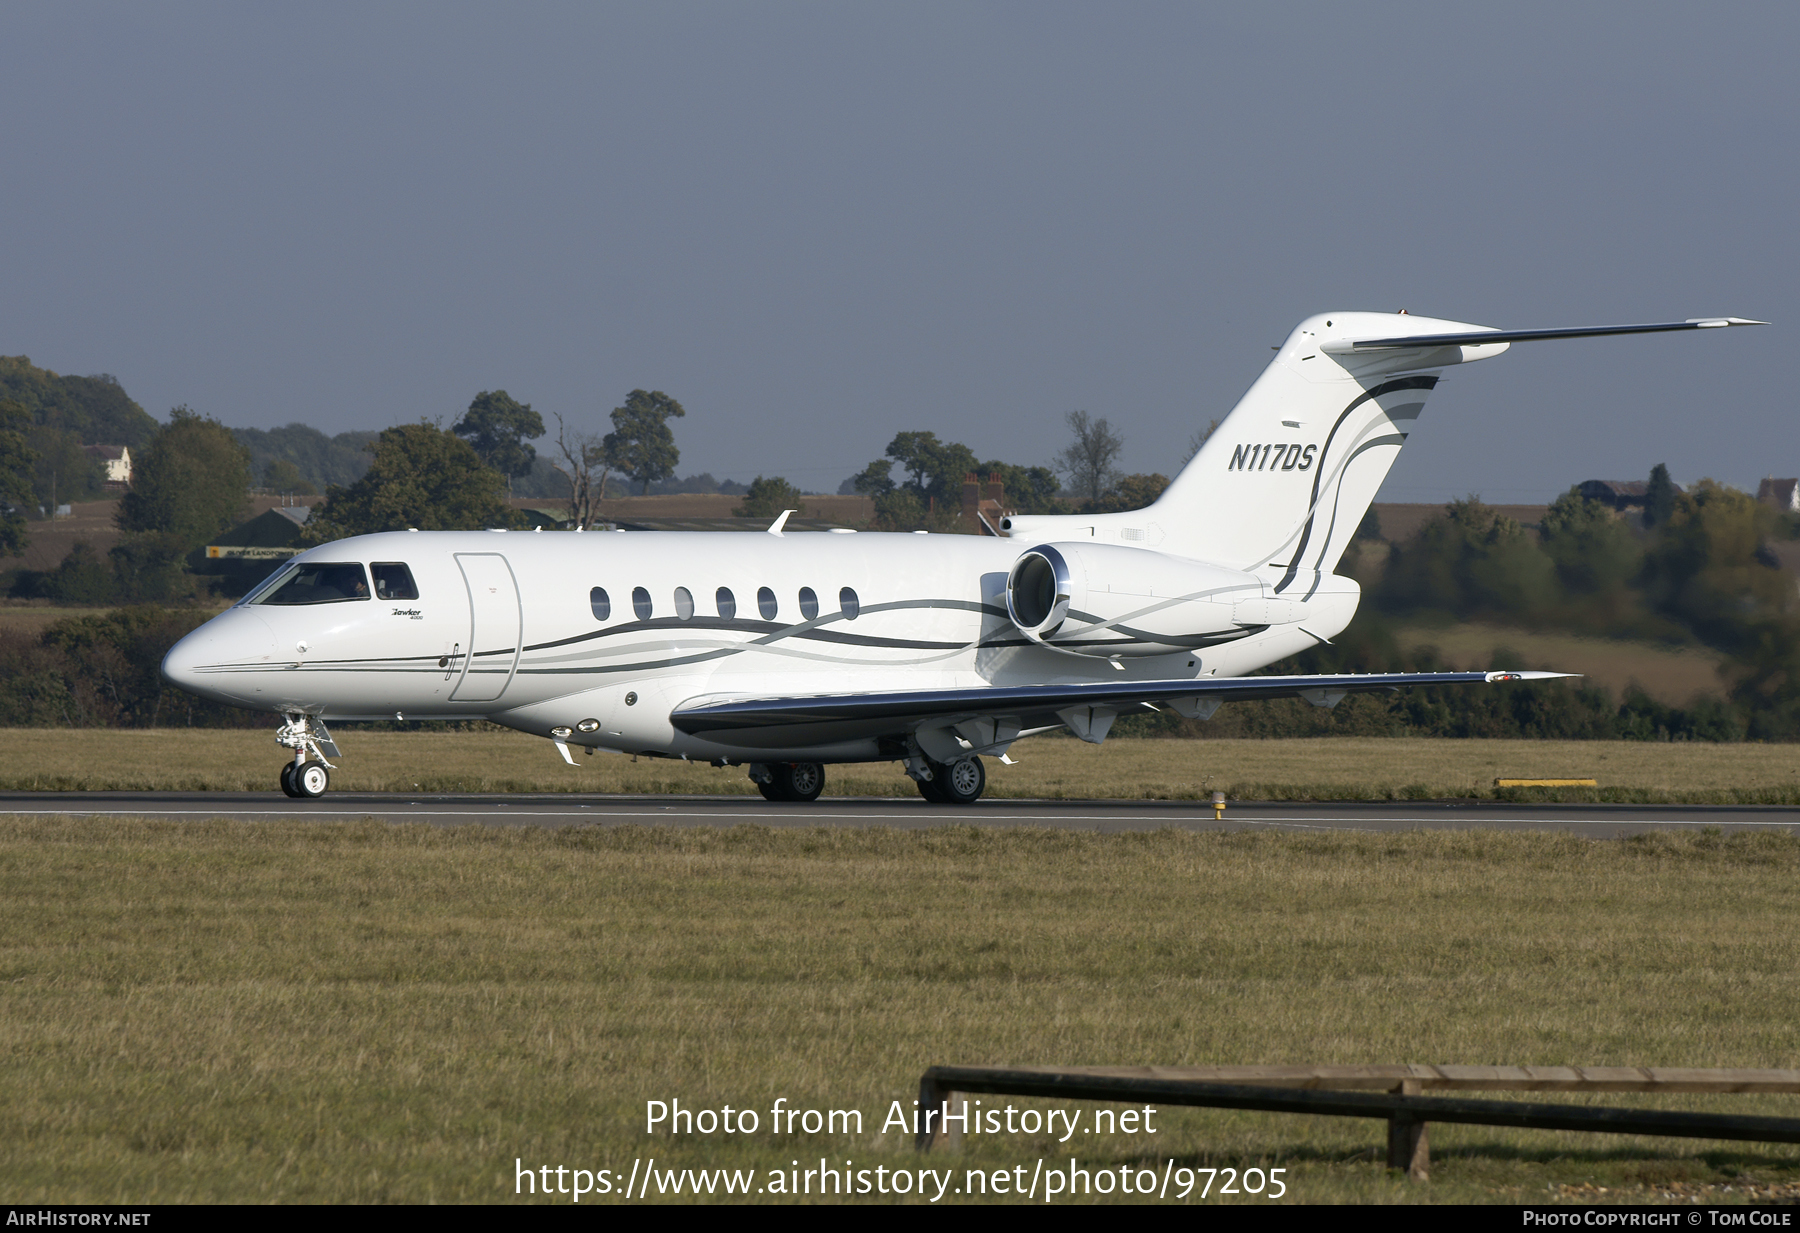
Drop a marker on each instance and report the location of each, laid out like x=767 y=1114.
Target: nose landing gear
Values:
x=306 y=777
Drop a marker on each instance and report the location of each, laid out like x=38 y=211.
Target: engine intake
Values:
x=1105 y=601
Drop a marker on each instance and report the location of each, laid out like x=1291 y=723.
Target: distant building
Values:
x=250 y=551
x=1619 y=494
x=984 y=505
x=117 y=459
x=1783 y=494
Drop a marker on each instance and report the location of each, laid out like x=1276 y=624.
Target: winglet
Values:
x=775 y=527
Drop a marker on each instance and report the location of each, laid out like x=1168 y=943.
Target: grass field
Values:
x=293 y=1012
x=1330 y=768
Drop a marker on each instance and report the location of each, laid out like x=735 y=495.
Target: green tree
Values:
x=95 y=410
x=641 y=444
x=876 y=479
x=1127 y=492
x=64 y=471
x=1087 y=461
x=1659 y=496
x=283 y=476
x=420 y=476
x=497 y=426
x=1597 y=558
x=1473 y=562
x=900 y=509
x=151 y=566
x=321 y=460
x=190 y=482
x=1706 y=568
x=768 y=497
x=935 y=469
x=16 y=462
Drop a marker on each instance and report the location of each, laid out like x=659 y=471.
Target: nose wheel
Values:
x=308 y=774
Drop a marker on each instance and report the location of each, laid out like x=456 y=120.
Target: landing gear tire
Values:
x=311 y=780
x=287 y=779
x=803 y=780
x=956 y=783
x=793 y=781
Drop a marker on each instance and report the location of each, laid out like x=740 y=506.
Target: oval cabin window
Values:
x=727 y=603
x=640 y=603
x=809 y=604
x=601 y=605
x=848 y=602
x=765 y=603
x=684 y=603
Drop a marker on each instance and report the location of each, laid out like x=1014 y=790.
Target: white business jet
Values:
x=785 y=652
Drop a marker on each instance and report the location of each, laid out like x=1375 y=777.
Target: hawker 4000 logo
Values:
x=1277 y=457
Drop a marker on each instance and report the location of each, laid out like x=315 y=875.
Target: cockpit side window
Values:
x=320 y=582
x=279 y=575
x=393 y=581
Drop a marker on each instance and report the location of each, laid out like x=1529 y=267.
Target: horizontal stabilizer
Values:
x=1482 y=338
x=900 y=710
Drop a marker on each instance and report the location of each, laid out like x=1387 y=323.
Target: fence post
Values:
x=1409 y=1146
x=929 y=1096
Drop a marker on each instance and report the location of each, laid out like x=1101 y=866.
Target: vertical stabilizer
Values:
x=1282 y=484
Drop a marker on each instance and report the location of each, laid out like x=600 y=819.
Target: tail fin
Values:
x=1282 y=484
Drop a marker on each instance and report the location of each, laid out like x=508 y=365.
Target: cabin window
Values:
x=765 y=603
x=393 y=581
x=848 y=602
x=684 y=604
x=321 y=582
x=727 y=602
x=640 y=603
x=600 y=603
x=809 y=604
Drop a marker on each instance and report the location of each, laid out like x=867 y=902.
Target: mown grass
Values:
x=294 y=1012
x=1330 y=768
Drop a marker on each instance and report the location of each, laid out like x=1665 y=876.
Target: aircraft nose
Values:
x=200 y=663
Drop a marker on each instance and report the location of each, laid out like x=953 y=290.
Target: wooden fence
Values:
x=1394 y=1093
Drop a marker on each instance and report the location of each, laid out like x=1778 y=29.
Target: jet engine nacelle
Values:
x=1104 y=601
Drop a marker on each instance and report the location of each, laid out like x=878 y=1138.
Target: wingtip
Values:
x=1509 y=675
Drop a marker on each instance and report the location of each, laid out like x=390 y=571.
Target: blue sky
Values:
x=816 y=224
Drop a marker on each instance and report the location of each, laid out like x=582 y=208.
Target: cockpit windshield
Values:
x=318 y=582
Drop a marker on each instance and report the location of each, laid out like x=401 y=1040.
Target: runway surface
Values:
x=1595 y=821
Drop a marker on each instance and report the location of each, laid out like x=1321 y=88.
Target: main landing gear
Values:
x=789 y=781
x=949 y=783
x=956 y=783
x=308 y=775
